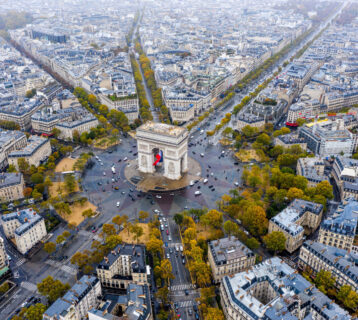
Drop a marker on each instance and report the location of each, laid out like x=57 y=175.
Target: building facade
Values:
x=228 y=256
x=26 y=227
x=292 y=220
x=11 y=186
x=123 y=265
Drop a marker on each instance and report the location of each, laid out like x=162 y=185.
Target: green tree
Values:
x=324 y=188
x=88 y=213
x=275 y=241
x=324 y=281
x=70 y=183
x=163 y=294
x=230 y=228
x=52 y=289
x=37 y=178
x=80 y=259
x=50 y=247
x=143 y=215
x=113 y=241
x=213 y=218
x=252 y=243
x=109 y=229
x=34 y=312
x=154 y=245
x=137 y=230
x=178 y=218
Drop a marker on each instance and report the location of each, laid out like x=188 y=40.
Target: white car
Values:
x=161 y=227
x=156 y=211
x=169 y=238
x=205 y=181
x=223 y=152
x=236 y=184
x=125 y=159
x=164 y=219
x=168 y=256
x=118 y=203
x=197 y=193
x=192 y=183
x=176 y=248
x=104 y=173
x=158 y=196
x=181 y=248
x=201 y=154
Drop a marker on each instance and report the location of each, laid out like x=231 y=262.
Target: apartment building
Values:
x=317 y=256
x=11 y=186
x=45 y=120
x=289 y=140
x=75 y=304
x=298 y=218
x=3 y=255
x=249 y=119
x=125 y=264
x=312 y=169
x=129 y=105
x=37 y=151
x=345 y=174
x=228 y=256
x=273 y=290
x=10 y=141
x=26 y=227
x=327 y=141
x=182 y=113
x=340 y=229
x=82 y=123
x=135 y=305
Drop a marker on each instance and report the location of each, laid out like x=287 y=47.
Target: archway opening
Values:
x=158 y=160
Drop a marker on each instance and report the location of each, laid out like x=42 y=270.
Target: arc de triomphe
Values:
x=171 y=142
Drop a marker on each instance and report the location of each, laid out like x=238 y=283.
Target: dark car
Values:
x=186 y=291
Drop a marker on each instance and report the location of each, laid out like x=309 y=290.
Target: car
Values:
x=152 y=202
x=183 y=261
x=190 y=311
x=197 y=193
x=186 y=291
x=181 y=248
x=161 y=227
x=116 y=188
x=166 y=225
x=123 y=192
x=118 y=203
x=169 y=238
x=223 y=152
x=164 y=219
x=100 y=225
x=213 y=189
x=8 y=258
x=205 y=180
x=101 y=163
x=236 y=184
x=119 y=160
x=156 y=211
x=103 y=189
x=125 y=159
x=158 y=196
x=113 y=180
x=170 y=250
x=168 y=256
x=192 y=183
x=99 y=183
x=176 y=248
x=166 y=244
x=94 y=230
x=195 y=307
x=104 y=173
x=176 y=305
x=196 y=316
x=193 y=152
x=201 y=154
x=167 y=232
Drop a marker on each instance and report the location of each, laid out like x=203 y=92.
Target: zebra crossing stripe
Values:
x=29 y=286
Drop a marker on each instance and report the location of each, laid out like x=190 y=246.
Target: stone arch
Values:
x=143 y=160
x=171 y=167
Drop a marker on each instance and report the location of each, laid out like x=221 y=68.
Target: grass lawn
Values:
x=247 y=155
x=104 y=143
x=202 y=232
x=131 y=239
x=57 y=187
x=75 y=217
x=65 y=164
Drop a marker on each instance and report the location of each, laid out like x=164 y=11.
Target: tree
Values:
x=143 y=215
x=48 y=182
x=202 y=273
x=109 y=229
x=52 y=289
x=264 y=139
x=324 y=188
x=70 y=183
x=324 y=280
x=11 y=168
x=118 y=220
x=178 y=218
x=214 y=314
x=252 y=243
x=163 y=294
x=62 y=208
x=27 y=192
x=4 y=288
x=254 y=219
x=36 y=195
x=50 y=247
x=113 y=241
x=88 y=213
x=37 y=178
x=66 y=234
x=213 y=218
x=60 y=239
x=34 y=312
x=80 y=259
x=154 y=245
x=164 y=270
x=230 y=227
x=275 y=241
x=294 y=193
x=137 y=230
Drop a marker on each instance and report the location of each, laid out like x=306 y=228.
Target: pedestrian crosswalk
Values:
x=178 y=287
x=85 y=233
x=185 y=304
x=29 y=286
x=20 y=262
x=61 y=266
